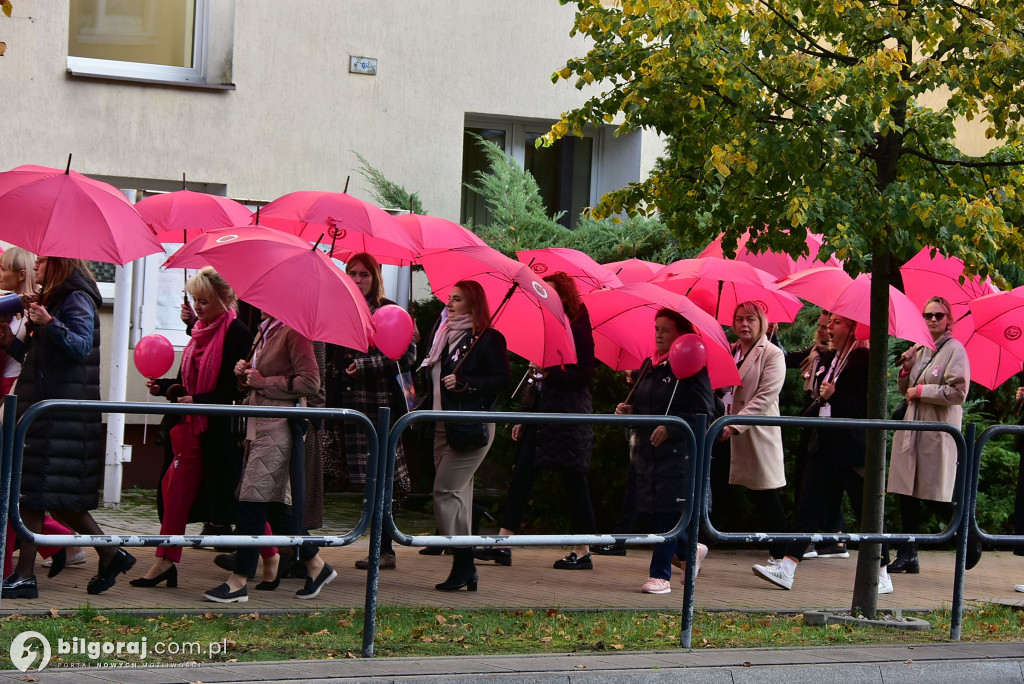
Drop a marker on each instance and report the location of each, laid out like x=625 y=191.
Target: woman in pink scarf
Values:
x=207 y=457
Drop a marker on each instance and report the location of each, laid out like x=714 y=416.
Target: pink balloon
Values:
x=862 y=332
x=394 y=330
x=687 y=355
x=154 y=356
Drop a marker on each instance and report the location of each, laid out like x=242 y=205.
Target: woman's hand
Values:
x=352 y=370
x=38 y=315
x=187 y=399
x=1020 y=393
x=623 y=408
x=450 y=383
x=659 y=436
x=517 y=432
x=188 y=316
x=537 y=372
x=727 y=432
x=907 y=359
x=255 y=379
x=827 y=390
x=241 y=367
x=153 y=386
x=912 y=393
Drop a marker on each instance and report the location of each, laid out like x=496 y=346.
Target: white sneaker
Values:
x=884 y=584
x=657 y=586
x=811 y=552
x=1019 y=587
x=775 y=574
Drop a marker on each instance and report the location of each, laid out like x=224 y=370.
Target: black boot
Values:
x=906 y=560
x=463 y=572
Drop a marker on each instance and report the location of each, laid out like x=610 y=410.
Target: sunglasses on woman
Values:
x=938 y=316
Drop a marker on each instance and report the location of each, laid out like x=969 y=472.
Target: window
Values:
x=568 y=173
x=146 y=40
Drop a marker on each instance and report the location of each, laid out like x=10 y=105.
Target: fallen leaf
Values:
x=552 y=612
x=322 y=632
x=746 y=663
x=908 y=662
x=580 y=667
x=100 y=618
x=544 y=639
x=440 y=619
x=54 y=612
x=349 y=654
x=29 y=678
x=344 y=623
x=618 y=647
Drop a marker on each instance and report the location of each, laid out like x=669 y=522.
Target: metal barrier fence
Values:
x=957 y=527
x=687 y=523
x=1014 y=540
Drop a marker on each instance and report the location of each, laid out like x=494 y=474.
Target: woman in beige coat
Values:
x=923 y=465
x=756 y=460
x=283 y=372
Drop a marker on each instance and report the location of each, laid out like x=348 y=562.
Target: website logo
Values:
x=27 y=647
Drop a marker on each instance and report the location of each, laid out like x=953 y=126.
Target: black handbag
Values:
x=901 y=411
x=467 y=436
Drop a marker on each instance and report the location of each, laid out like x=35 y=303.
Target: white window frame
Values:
x=154 y=73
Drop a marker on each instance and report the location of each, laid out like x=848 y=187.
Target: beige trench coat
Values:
x=757 y=461
x=287 y=362
x=923 y=464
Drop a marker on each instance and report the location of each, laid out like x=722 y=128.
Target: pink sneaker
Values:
x=657 y=586
x=702 y=552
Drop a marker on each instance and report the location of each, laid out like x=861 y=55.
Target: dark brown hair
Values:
x=565 y=286
x=371 y=264
x=476 y=298
x=58 y=270
x=683 y=325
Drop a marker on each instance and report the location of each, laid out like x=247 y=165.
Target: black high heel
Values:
x=121 y=563
x=463 y=572
x=907 y=564
x=170 y=575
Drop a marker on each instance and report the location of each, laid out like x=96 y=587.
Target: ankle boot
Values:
x=463 y=572
x=906 y=561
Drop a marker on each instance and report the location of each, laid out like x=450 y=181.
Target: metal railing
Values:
x=961 y=496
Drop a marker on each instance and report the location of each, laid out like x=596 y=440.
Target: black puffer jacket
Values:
x=659 y=473
x=63 y=463
x=567 y=390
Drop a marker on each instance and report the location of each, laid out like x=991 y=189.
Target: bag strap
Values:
x=914 y=382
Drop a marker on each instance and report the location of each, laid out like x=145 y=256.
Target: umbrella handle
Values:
x=636 y=384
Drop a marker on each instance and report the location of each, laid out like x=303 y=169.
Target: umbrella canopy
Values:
x=834 y=290
x=347 y=223
x=524 y=309
x=62 y=213
x=634 y=270
x=991 y=363
x=729 y=283
x=431 y=233
x=777 y=264
x=183 y=215
x=287 y=278
x=1000 y=318
x=623 y=322
x=931 y=274
x=588 y=274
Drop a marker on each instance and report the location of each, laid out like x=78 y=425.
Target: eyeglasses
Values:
x=938 y=316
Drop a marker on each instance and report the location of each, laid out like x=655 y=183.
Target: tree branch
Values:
x=965 y=161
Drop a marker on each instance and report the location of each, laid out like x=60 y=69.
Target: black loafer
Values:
x=499 y=556
x=571 y=562
x=609 y=550
x=15 y=587
x=313 y=586
x=223 y=594
x=58 y=561
x=121 y=562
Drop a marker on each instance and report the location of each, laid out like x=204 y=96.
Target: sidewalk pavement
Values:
x=926 y=664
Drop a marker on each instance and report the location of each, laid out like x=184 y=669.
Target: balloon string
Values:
x=673 y=396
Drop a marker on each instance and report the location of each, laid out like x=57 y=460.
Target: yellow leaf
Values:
x=618 y=647
x=545 y=639
x=565 y=72
x=440 y=619
x=7 y=7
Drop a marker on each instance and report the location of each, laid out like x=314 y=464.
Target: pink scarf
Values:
x=201 y=360
x=450 y=332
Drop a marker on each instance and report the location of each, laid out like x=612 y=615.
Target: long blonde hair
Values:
x=20 y=260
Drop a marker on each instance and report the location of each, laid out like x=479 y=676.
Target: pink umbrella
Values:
x=286 y=277
x=431 y=233
x=63 y=213
x=833 y=290
x=991 y=363
x=348 y=224
x=623 y=322
x=589 y=274
x=523 y=308
x=926 y=276
x=1000 y=318
x=777 y=264
x=182 y=215
x=634 y=270
x=730 y=283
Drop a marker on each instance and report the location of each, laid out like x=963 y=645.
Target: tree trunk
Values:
x=865 y=588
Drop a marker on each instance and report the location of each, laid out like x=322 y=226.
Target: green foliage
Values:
x=386 y=192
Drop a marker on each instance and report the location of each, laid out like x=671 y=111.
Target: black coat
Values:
x=63 y=463
x=484 y=374
x=222 y=452
x=850 y=400
x=566 y=389
x=658 y=474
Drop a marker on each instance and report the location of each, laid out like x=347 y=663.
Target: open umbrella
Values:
x=1000 y=318
x=524 y=309
x=63 y=213
x=351 y=225
x=432 y=233
x=991 y=363
x=182 y=215
x=623 y=322
x=634 y=270
x=287 y=278
x=929 y=274
x=834 y=290
x=588 y=274
x=729 y=283
x=777 y=264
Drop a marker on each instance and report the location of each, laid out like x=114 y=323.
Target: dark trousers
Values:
x=910 y=517
x=577 y=491
x=253 y=517
x=661 y=556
